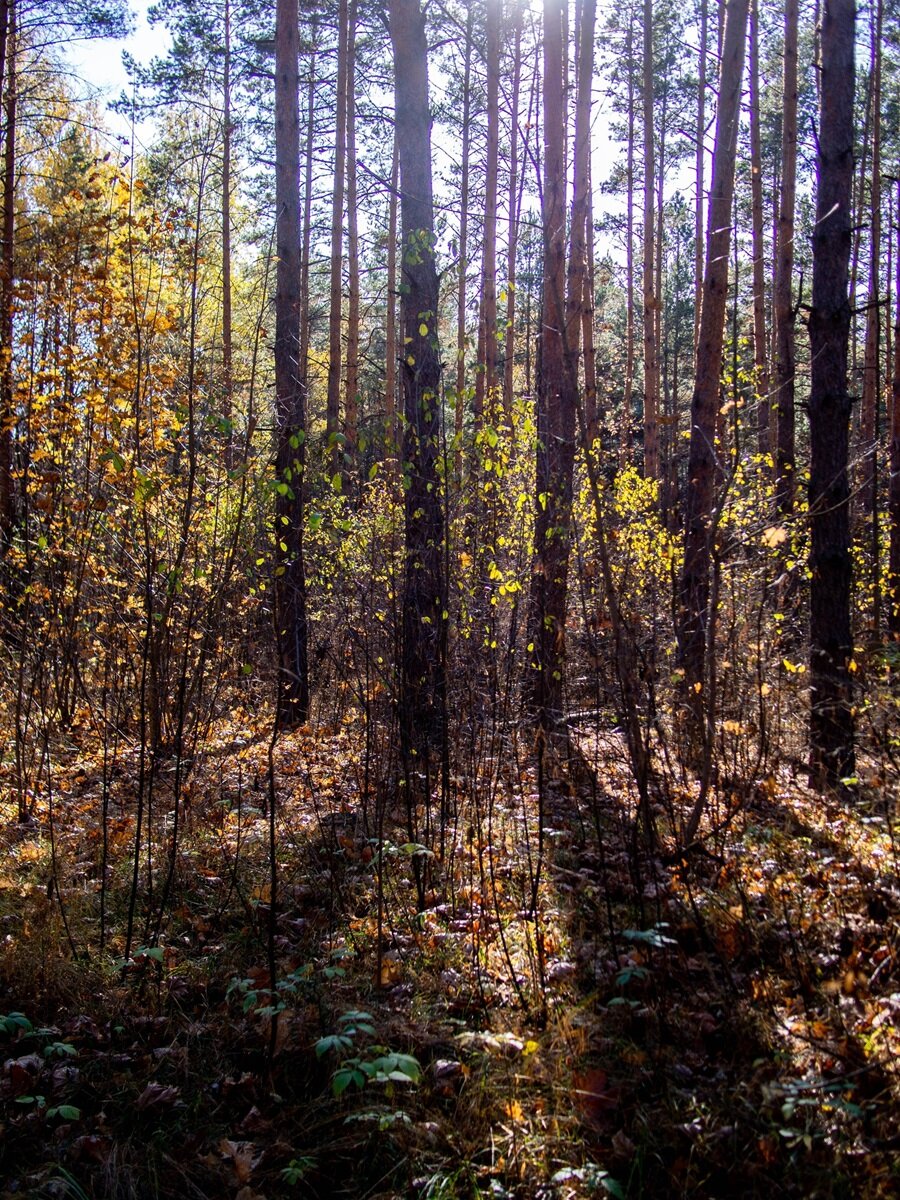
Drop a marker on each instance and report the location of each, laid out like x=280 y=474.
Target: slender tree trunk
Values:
x=894 y=487
x=693 y=615
x=866 y=498
x=831 y=643
x=290 y=406
x=628 y=399
x=227 y=338
x=486 y=378
x=462 y=266
x=700 y=171
x=390 y=321
x=760 y=343
x=335 y=314
x=7 y=289
x=651 y=350
x=421 y=672
x=306 y=248
x=351 y=395
x=513 y=224
x=785 y=353
x=591 y=410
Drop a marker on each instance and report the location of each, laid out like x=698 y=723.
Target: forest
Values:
x=450 y=624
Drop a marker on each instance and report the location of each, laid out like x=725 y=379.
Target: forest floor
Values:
x=542 y=1008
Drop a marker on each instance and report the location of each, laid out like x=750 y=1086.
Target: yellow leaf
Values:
x=774 y=536
x=423 y=330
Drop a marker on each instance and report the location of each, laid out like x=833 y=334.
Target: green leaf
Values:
x=68 y=1112
x=336 y=483
x=337 y=1042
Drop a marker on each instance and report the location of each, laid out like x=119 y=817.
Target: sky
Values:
x=99 y=65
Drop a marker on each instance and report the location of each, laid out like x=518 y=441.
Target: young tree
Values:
x=831 y=644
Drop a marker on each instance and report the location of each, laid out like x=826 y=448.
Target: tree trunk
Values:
x=513 y=225
x=421 y=668
x=463 y=263
x=785 y=354
x=7 y=288
x=351 y=394
x=866 y=497
x=693 y=615
x=290 y=401
x=558 y=380
x=628 y=415
x=390 y=320
x=700 y=171
x=335 y=311
x=894 y=489
x=831 y=643
x=227 y=338
x=651 y=350
x=760 y=344
x=486 y=377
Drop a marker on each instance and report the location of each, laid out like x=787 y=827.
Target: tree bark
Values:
x=699 y=172
x=831 y=643
x=894 y=487
x=290 y=401
x=513 y=224
x=760 y=343
x=422 y=667
x=693 y=614
x=351 y=393
x=866 y=497
x=785 y=353
x=651 y=302
x=486 y=377
x=335 y=312
x=561 y=326
x=7 y=288
x=463 y=263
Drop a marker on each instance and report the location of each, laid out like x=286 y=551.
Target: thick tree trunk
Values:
x=564 y=299
x=693 y=614
x=831 y=643
x=290 y=401
x=555 y=415
x=423 y=614
x=785 y=354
